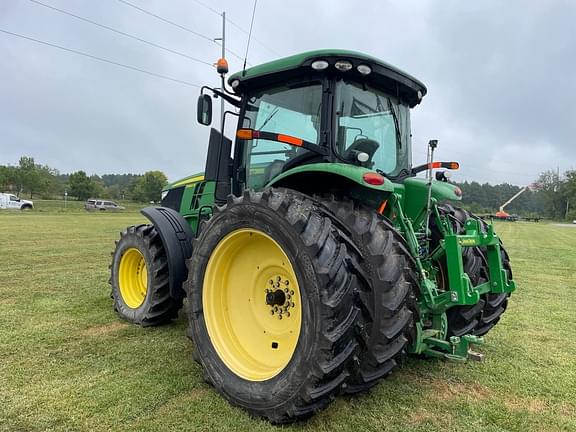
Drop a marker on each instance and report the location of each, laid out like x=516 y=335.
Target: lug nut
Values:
x=292 y=304
x=286 y=290
x=287 y=314
x=272 y=312
x=286 y=282
x=291 y=292
x=280 y=316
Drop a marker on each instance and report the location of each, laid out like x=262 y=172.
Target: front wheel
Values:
x=271 y=305
x=139 y=278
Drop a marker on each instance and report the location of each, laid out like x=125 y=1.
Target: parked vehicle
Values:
x=10 y=201
x=96 y=204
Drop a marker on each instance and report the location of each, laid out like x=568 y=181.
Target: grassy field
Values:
x=68 y=363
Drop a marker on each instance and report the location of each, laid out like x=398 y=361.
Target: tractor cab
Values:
x=325 y=106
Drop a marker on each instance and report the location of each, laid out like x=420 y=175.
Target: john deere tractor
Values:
x=309 y=255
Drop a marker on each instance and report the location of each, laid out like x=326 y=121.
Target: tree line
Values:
x=34 y=180
x=552 y=195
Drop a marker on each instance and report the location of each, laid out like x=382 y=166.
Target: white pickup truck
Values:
x=9 y=201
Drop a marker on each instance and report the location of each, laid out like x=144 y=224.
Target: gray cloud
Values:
x=500 y=78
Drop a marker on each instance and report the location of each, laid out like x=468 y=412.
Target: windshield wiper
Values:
x=272 y=114
x=396 y=125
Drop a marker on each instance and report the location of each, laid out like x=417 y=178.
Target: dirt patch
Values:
x=446 y=391
x=567 y=409
x=534 y=406
x=7 y=302
x=422 y=416
x=104 y=329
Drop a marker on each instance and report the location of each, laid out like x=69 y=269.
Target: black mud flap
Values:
x=177 y=237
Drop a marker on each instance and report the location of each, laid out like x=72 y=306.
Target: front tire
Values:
x=139 y=278
x=281 y=367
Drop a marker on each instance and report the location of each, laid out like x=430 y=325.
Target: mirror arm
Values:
x=227 y=98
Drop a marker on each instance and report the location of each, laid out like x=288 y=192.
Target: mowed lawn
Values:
x=68 y=363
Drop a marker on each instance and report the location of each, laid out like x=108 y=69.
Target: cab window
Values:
x=289 y=109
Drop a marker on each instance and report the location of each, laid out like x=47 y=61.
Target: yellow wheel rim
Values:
x=252 y=305
x=133 y=278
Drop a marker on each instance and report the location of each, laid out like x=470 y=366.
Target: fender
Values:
x=177 y=238
x=352 y=173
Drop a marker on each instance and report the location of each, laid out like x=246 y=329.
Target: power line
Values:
x=154 y=74
x=175 y=24
x=166 y=20
x=210 y=8
x=121 y=33
x=243 y=30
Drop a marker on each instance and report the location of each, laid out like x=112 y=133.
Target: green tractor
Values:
x=311 y=257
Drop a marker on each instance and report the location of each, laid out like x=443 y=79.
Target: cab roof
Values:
x=393 y=80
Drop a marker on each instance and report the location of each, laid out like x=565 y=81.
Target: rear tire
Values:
x=139 y=278
x=312 y=370
x=387 y=319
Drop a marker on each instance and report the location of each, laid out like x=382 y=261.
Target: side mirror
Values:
x=204 y=114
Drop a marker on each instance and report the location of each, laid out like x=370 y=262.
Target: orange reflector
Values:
x=382 y=207
x=245 y=134
x=290 y=140
x=454 y=165
x=373 y=178
x=435 y=165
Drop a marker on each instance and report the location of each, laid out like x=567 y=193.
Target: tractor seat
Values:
x=363 y=145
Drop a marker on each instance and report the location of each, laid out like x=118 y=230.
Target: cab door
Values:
x=14 y=202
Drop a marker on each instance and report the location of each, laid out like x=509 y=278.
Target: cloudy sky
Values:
x=500 y=75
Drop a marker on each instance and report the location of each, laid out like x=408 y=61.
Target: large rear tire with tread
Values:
x=238 y=337
x=139 y=278
x=386 y=299
x=480 y=318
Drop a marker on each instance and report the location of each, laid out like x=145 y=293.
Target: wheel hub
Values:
x=279 y=297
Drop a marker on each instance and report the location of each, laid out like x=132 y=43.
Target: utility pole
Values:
x=222 y=75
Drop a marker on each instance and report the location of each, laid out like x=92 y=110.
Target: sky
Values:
x=500 y=77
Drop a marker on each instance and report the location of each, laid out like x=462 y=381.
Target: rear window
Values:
x=90 y=202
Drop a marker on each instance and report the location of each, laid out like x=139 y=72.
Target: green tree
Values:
x=80 y=185
x=8 y=178
x=29 y=176
x=149 y=186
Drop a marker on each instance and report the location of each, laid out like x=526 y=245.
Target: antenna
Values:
x=249 y=37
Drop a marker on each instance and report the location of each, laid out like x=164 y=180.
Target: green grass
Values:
x=68 y=363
